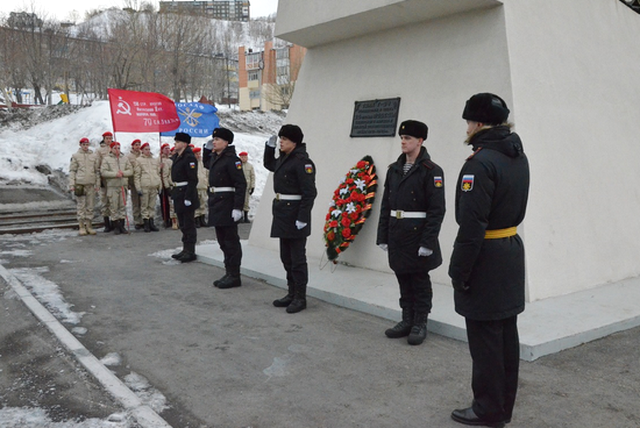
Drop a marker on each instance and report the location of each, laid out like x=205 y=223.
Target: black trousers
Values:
x=495 y=351
x=229 y=242
x=188 y=229
x=416 y=292
x=294 y=258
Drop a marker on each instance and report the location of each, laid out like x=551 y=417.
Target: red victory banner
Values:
x=133 y=111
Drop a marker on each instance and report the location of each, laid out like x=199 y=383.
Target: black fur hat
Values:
x=486 y=108
x=224 y=134
x=181 y=136
x=414 y=128
x=292 y=132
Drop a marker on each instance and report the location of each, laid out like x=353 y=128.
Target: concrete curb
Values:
x=144 y=415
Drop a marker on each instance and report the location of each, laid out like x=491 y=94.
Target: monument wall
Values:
x=567 y=75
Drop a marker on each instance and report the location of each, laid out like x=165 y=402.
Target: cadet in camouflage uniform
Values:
x=133 y=155
x=103 y=152
x=148 y=183
x=116 y=170
x=84 y=181
x=203 y=183
x=250 y=176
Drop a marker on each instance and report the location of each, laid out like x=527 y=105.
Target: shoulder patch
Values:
x=308 y=168
x=239 y=165
x=474 y=153
x=192 y=165
x=466 y=185
x=437 y=181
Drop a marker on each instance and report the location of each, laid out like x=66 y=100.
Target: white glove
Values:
x=424 y=252
x=271 y=142
x=383 y=247
x=236 y=215
x=187 y=203
x=300 y=225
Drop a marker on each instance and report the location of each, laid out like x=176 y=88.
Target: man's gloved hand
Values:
x=271 y=142
x=300 y=225
x=424 y=252
x=236 y=215
x=383 y=247
x=459 y=285
x=187 y=203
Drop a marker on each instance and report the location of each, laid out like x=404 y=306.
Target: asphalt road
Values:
x=228 y=358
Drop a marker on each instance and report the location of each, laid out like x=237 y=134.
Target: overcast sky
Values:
x=62 y=9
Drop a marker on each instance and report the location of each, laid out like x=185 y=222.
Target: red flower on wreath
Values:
x=350 y=206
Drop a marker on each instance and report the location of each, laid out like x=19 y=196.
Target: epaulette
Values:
x=427 y=163
x=474 y=153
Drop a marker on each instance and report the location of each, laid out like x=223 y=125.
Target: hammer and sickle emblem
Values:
x=123 y=107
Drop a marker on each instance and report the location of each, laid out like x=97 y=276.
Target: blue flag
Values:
x=196 y=119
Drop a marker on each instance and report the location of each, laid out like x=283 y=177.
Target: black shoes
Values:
x=228 y=281
x=296 y=306
x=284 y=302
x=187 y=257
x=419 y=329
x=177 y=255
x=402 y=329
x=468 y=417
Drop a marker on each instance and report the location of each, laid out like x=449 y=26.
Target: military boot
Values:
x=299 y=301
x=152 y=226
x=286 y=300
x=115 y=224
x=419 y=329
x=121 y=227
x=232 y=280
x=403 y=328
x=108 y=227
x=224 y=277
x=81 y=228
x=90 y=229
x=178 y=255
x=145 y=225
x=189 y=254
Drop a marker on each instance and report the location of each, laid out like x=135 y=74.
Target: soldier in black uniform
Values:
x=294 y=181
x=487 y=264
x=411 y=214
x=184 y=173
x=226 y=200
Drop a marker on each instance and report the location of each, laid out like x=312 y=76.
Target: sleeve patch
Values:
x=466 y=185
x=308 y=168
x=437 y=181
x=239 y=165
x=192 y=165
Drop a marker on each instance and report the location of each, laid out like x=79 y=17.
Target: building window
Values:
x=254 y=95
x=254 y=75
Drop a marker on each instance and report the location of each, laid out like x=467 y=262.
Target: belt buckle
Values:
x=277 y=196
x=399 y=214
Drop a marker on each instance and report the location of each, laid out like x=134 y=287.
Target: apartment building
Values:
x=228 y=10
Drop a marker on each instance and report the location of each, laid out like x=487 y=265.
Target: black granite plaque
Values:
x=375 y=118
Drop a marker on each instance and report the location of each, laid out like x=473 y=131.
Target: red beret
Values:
x=243 y=154
x=164 y=145
x=115 y=143
x=84 y=140
x=135 y=141
x=197 y=150
x=107 y=134
x=144 y=145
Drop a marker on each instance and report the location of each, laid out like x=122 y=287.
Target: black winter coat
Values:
x=225 y=170
x=421 y=189
x=293 y=174
x=492 y=193
x=185 y=168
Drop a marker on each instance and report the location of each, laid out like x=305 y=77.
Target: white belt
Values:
x=221 y=189
x=283 y=197
x=399 y=214
x=181 y=183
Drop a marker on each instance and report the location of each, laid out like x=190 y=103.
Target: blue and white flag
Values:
x=196 y=119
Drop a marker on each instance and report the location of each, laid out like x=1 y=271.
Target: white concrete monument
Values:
x=569 y=72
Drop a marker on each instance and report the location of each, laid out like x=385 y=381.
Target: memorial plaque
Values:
x=375 y=118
